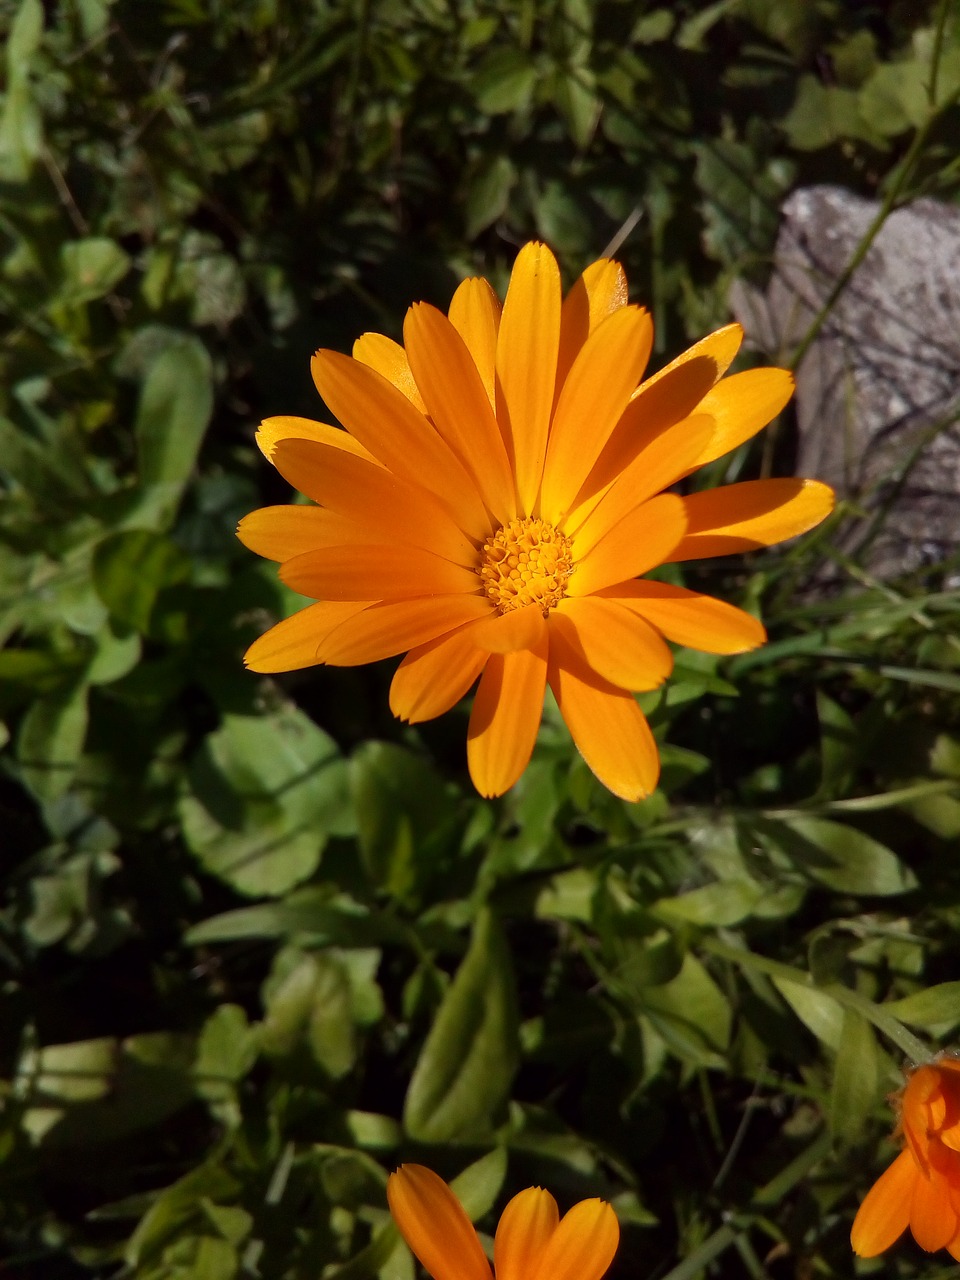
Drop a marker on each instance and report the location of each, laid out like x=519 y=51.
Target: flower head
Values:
x=921 y=1189
x=496 y=497
x=532 y=1242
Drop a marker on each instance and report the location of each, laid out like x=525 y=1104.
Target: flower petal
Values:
x=507 y=632
x=689 y=618
x=742 y=405
x=272 y=430
x=388 y=507
x=389 y=359
x=755 y=513
x=606 y=724
x=459 y=405
x=387 y=572
x=583 y=1245
x=656 y=467
x=434 y=1225
x=396 y=433
x=527 y=365
x=601 y=290
x=613 y=641
x=295 y=642
x=595 y=394
x=525 y=1227
x=475 y=314
x=885 y=1213
x=393 y=626
x=278 y=533
x=506 y=716
x=933 y=1219
x=646 y=537
x=435 y=676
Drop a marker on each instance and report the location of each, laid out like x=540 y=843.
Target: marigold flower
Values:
x=921 y=1189
x=532 y=1241
x=496 y=497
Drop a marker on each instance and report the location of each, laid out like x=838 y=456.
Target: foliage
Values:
x=261 y=942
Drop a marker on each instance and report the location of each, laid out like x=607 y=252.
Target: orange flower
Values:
x=496 y=497
x=532 y=1242
x=921 y=1189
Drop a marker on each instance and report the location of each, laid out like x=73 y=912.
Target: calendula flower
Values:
x=532 y=1242
x=494 y=501
x=921 y=1189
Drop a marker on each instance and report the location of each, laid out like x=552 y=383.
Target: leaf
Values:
x=50 y=741
x=504 y=82
x=131 y=568
x=463 y=1075
x=488 y=193
x=91 y=268
x=714 y=905
x=818 y=1012
x=226 y=1052
x=840 y=856
x=478 y=1186
x=309 y=999
x=265 y=794
x=174 y=1209
x=824 y=114
x=856 y=1080
x=21 y=126
x=577 y=101
x=838 y=745
x=937 y=1006
x=691 y=1013
x=175 y=407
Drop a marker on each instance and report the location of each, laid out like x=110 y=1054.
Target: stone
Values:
x=878 y=392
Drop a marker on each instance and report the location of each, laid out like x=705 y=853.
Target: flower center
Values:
x=526 y=562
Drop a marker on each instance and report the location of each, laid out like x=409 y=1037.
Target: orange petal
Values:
x=507 y=632
x=459 y=405
x=884 y=1214
x=506 y=716
x=755 y=513
x=475 y=314
x=389 y=572
x=278 y=533
x=272 y=430
x=742 y=405
x=595 y=394
x=646 y=537
x=393 y=626
x=295 y=642
x=616 y=643
x=396 y=433
x=389 y=359
x=527 y=364
x=601 y=290
x=606 y=724
x=388 y=507
x=933 y=1219
x=525 y=1227
x=583 y=1245
x=689 y=618
x=656 y=467
x=434 y=1225
x=434 y=676
x=666 y=398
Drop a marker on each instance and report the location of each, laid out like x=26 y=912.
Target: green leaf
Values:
x=21 y=125
x=504 y=82
x=691 y=1013
x=714 y=905
x=226 y=1052
x=840 y=856
x=937 y=1006
x=576 y=100
x=824 y=114
x=838 y=745
x=488 y=193
x=174 y=1209
x=856 y=1080
x=818 y=1012
x=265 y=794
x=131 y=568
x=478 y=1186
x=51 y=740
x=175 y=407
x=91 y=268
x=463 y=1074
x=309 y=1000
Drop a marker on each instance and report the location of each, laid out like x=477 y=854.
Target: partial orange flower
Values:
x=496 y=497
x=921 y=1189
x=532 y=1242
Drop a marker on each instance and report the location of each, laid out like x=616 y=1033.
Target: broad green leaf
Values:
x=50 y=741
x=463 y=1074
x=226 y=1052
x=131 y=568
x=21 y=126
x=504 y=82
x=577 y=101
x=91 y=268
x=818 y=1012
x=691 y=1013
x=265 y=794
x=714 y=905
x=176 y=1207
x=175 y=407
x=488 y=193
x=309 y=1000
x=938 y=1006
x=856 y=1080
x=478 y=1186
x=310 y=913
x=839 y=856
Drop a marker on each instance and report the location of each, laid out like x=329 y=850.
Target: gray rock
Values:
x=878 y=393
